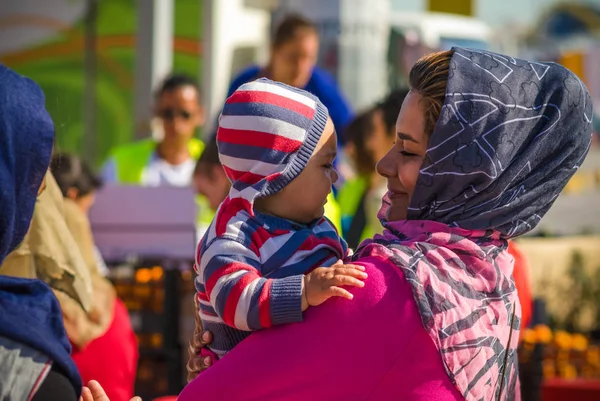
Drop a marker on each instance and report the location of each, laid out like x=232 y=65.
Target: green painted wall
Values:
x=57 y=65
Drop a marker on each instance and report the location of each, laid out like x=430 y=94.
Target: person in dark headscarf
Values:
x=34 y=350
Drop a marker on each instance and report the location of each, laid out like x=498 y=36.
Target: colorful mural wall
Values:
x=46 y=42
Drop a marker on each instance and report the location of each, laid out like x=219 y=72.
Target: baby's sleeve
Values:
x=231 y=274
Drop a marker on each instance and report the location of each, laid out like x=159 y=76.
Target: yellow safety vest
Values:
x=131 y=160
x=332 y=212
x=349 y=198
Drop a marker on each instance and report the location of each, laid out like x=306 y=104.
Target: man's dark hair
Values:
x=363 y=125
x=356 y=133
x=208 y=159
x=289 y=26
x=176 y=81
x=390 y=107
x=72 y=172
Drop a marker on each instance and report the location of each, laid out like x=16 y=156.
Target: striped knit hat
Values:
x=267 y=133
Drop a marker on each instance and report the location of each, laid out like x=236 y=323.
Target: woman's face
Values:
x=401 y=164
x=85 y=202
x=292 y=62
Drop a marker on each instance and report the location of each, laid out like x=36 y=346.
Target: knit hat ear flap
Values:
x=267 y=133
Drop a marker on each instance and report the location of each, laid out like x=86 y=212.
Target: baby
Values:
x=269 y=253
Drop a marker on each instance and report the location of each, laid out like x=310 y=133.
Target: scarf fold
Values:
x=510 y=136
x=462 y=284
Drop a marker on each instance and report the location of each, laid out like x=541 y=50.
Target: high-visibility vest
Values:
x=332 y=212
x=349 y=198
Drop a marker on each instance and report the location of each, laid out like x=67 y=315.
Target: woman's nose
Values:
x=386 y=166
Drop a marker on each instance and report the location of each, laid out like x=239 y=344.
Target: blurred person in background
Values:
x=210 y=179
x=210 y=184
x=79 y=185
x=169 y=161
x=116 y=345
x=369 y=136
x=293 y=59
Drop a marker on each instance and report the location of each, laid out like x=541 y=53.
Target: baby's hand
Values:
x=325 y=282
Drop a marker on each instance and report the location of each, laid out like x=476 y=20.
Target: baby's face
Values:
x=303 y=200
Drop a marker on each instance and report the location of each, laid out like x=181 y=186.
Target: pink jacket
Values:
x=371 y=348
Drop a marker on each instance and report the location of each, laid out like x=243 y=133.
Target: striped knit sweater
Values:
x=250 y=271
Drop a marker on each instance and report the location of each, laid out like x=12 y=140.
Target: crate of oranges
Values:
x=564 y=355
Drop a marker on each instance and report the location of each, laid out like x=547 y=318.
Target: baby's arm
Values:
x=240 y=295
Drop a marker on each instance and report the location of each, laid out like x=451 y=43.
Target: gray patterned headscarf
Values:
x=510 y=136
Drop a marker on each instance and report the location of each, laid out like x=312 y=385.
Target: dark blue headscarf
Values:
x=29 y=312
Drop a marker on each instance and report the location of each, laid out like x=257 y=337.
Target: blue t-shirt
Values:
x=320 y=84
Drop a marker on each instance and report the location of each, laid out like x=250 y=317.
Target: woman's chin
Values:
x=395 y=214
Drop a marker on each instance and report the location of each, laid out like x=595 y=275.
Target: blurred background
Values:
x=100 y=61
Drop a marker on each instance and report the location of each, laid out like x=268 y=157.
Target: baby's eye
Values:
x=328 y=165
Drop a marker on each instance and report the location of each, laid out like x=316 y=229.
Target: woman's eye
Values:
x=328 y=165
x=406 y=153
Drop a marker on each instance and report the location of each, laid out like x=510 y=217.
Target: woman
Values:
x=115 y=343
x=369 y=136
x=293 y=59
x=485 y=144
x=78 y=185
x=34 y=350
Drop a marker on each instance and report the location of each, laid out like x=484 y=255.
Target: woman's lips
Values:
x=396 y=195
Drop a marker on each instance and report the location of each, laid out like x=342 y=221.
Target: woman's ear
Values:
x=72 y=193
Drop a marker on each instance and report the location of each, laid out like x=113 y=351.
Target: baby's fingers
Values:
x=349 y=271
x=339 y=292
x=357 y=267
x=340 y=280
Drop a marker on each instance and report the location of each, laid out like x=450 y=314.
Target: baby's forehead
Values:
x=327 y=146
